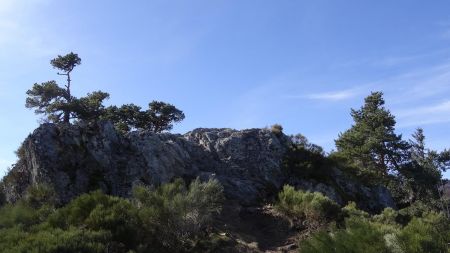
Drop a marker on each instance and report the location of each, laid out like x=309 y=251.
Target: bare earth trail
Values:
x=256 y=229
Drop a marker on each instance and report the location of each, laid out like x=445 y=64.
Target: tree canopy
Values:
x=58 y=105
x=371 y=142
x=158 y=117
x=410 y=170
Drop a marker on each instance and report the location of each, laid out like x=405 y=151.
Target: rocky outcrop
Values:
x=79 y=158
x=446 y=190
x=344 y=189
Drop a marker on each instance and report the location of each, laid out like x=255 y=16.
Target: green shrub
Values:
x=382 y=233
x=19 y=214
x=428 y=234
x=15 y=240
x=314 y=207
x=179 y=214
x=359 y=236
x=350 y=210
x=99 y=212
x=41 y=194
x=388 y=217
x=303 y=163
x=276 y=129
x=171 y=218
x=300 y=141
x=34 y=208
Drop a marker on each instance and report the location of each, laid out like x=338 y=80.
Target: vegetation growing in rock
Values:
x=307 y=160
x=59 y=105
x=157 y=118
x=277 y=129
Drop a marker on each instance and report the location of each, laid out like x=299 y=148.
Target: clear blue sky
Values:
x=238 y=64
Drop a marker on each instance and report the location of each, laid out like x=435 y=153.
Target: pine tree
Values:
x=159 y=117
x=418 y=152
x=371 y=143
x=421 y=175
x=60 y=106
x=57 y=103
x=50 y=99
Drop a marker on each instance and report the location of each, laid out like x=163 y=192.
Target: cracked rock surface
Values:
x=79 y=158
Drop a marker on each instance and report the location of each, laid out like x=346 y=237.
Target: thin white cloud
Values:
x=398 y=60
x=416 y=85
x=334 y=95
x=438 y=108
x=424 y=115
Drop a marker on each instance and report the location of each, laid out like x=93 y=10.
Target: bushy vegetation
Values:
x=179 y=214
x=171 y=218
x=307 y=160
x=429 y=232
x=410 y=170
x=311 y=208
x=373 y=153
x=277 y=129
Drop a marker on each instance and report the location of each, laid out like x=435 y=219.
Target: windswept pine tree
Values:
x=59 y=105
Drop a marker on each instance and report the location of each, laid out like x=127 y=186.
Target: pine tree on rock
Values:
x=60 y=106
x=50 y=99
x=66 y=64
x=57 y=103
x=159 y=117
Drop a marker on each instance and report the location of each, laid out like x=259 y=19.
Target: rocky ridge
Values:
x=80 y=158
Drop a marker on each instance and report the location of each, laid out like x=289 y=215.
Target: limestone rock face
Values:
x=79 y=158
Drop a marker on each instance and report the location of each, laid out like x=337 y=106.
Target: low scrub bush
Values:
x=428 y=234
x=15 y=240
x=313 y=207
x=41 y=194
x=382 y=233
x=276 y=129
x=179 y=214
x=170 y=218
x=350 y=210
x=359 y=236
x=307 y=160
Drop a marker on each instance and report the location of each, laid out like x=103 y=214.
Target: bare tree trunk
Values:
x=69 y=100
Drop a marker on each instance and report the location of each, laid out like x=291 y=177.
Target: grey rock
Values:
x=344 y=188
x=79 y=158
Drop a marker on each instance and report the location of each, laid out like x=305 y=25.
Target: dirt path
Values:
x=256 y=229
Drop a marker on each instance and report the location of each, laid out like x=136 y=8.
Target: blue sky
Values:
x=238 y=64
